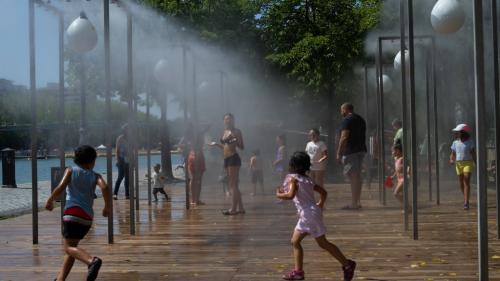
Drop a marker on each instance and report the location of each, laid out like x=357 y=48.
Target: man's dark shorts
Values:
x=353 y=163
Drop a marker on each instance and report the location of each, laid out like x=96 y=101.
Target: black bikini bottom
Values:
x=232 y=161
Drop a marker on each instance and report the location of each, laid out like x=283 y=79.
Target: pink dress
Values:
x=310 y=215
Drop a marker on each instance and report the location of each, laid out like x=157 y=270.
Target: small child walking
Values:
x=256 y=172
x=80 y=182
x=463 y=155
x=397 y=153
x=300 y=188
x=158 y=181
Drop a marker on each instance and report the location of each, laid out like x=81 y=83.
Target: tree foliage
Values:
x=316 y=41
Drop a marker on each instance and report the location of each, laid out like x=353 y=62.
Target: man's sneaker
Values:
x=349 y=270
x=94 y=267
x=466 y=206
x=294 y=275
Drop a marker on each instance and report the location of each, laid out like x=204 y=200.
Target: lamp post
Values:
x=62 y=156
x=482 y=211
x=34 y=175
x=82 y=38
x=109 y=144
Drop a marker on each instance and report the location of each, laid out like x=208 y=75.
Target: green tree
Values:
x=316 y=42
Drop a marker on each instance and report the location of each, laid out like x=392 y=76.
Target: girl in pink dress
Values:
x=300 y=188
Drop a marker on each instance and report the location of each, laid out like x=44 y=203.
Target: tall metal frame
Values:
x=108 y=139
x=34 y=133
x=482 y=207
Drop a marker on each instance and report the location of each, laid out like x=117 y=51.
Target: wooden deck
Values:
x=201 y=244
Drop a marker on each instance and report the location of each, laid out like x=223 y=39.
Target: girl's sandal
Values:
x=228 y=213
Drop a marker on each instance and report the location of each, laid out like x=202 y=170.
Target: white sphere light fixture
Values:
x=203 y=86
x=161 y=71
x=447 y=16
x=387 y=83
x=397 y=61
x=81 y=34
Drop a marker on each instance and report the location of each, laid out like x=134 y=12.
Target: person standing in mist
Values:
x=318 y=152
x=351 y=151
x=230 y=142
x=397 y=126
x=122 y=162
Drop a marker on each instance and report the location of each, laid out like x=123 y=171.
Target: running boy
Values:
x=80 y=182
x=463 y=155
x=300 y=188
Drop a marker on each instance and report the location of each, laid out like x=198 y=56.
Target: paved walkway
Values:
x=17 y=201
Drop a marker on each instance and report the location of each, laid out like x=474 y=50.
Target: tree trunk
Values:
x=332 y=128
x=166 y=157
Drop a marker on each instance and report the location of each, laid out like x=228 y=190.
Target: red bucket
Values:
x=388 y=182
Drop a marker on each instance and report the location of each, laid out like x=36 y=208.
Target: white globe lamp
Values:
x=397 y=61
x=447 y=16
x=81 y=34
x=161 y=71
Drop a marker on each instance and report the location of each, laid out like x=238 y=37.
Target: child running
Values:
x=80 y=182
x=256 y=173
x=463 y=155
x=397 y=153
x=158 y=181
x=300 y=188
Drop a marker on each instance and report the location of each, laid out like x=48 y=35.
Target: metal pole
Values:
x=496 y=108
x=368 y=125
x=83 y=101
x=109 y=144
x=136 y=156
x=436 y=132
x=34 y=174
x=382 y=127
x=379 y=168
x=413 y=126
x=195 y=101
x=186 y=148
x=222 y=91
x=428 y=121
x=482 y=206
x=62 y=156
x=131 y=137
x=404 y=104
x=148 y=144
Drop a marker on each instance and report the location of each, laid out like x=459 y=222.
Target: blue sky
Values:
x=14 y=49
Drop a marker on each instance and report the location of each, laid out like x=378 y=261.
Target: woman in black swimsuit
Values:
x=230 y=141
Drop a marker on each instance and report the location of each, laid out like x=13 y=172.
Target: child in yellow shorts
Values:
x=463 y=155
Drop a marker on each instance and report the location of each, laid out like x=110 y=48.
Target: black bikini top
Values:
x=229 y=140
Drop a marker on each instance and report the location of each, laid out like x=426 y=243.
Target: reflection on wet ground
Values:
x=201 y=244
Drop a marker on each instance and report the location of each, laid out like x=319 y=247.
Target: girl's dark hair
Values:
x=85 y=154
x=299 y=163
x=229 y=115
x=398 y=146
x=315 y=131
x=464 y=135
